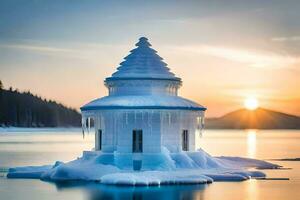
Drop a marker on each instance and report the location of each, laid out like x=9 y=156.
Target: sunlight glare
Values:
x=251 y=143
x=251 y=103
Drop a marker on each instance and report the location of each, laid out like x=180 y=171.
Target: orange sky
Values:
x=223 y=53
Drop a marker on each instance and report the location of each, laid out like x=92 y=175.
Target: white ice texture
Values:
x=157 y=169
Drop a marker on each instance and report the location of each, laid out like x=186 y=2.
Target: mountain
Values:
x=254 y=119
x=26 y=110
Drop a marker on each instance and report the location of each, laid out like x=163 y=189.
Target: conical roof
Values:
x=143 y=62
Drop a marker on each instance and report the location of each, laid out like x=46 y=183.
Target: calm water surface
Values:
x=39 y=147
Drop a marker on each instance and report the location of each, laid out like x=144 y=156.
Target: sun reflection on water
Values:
x=251 y=189
x=251 y=143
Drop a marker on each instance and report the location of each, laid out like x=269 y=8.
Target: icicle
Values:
x=149 y=120
x=161 y=118
x=82 y=126
x=200 y=132
x=89 y=124
x=100 y=121
x=202 y=124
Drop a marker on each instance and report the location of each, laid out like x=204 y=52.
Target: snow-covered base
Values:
x=157 y=169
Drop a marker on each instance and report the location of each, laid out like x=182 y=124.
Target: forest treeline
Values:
x=23 y=109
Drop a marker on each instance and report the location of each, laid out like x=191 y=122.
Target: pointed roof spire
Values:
x=143 y=62
x=143 y=42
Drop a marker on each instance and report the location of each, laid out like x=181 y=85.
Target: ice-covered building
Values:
x=143 y=112
x=144 y=125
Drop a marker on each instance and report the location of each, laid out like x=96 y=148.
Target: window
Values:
x=185 y=140
x=137 y=141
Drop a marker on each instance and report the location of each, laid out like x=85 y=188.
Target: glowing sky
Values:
x=225 y=51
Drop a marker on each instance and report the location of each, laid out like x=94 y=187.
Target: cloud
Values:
x=35 y=48
x=284 y=39
x=253 y=58
x=76 y=51
x=249 y=57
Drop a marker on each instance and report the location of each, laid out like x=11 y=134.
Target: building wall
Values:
x=131 y=120
x=160 y=128
x=143 y=87
x=174 y=122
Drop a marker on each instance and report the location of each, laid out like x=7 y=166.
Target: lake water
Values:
x=39 y=147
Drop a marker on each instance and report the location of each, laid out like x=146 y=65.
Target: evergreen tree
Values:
x=28 y=110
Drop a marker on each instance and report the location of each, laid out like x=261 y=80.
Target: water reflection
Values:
x=16 y=151
x=96 y=191
x=251 y=143
x=252 y=189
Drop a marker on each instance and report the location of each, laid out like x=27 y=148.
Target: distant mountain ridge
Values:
x=254 y=119
x=27 y=110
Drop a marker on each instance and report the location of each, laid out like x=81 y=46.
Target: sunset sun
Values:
x=251 y=103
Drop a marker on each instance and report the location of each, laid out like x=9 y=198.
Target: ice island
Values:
x=145 y=134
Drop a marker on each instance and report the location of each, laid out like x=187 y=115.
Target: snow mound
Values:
x=157 y=169
x=147 y=178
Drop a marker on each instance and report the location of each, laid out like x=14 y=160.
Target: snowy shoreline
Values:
x=157 y=169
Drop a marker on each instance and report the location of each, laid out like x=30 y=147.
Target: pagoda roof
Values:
x=143 y=63
x=142 y=102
